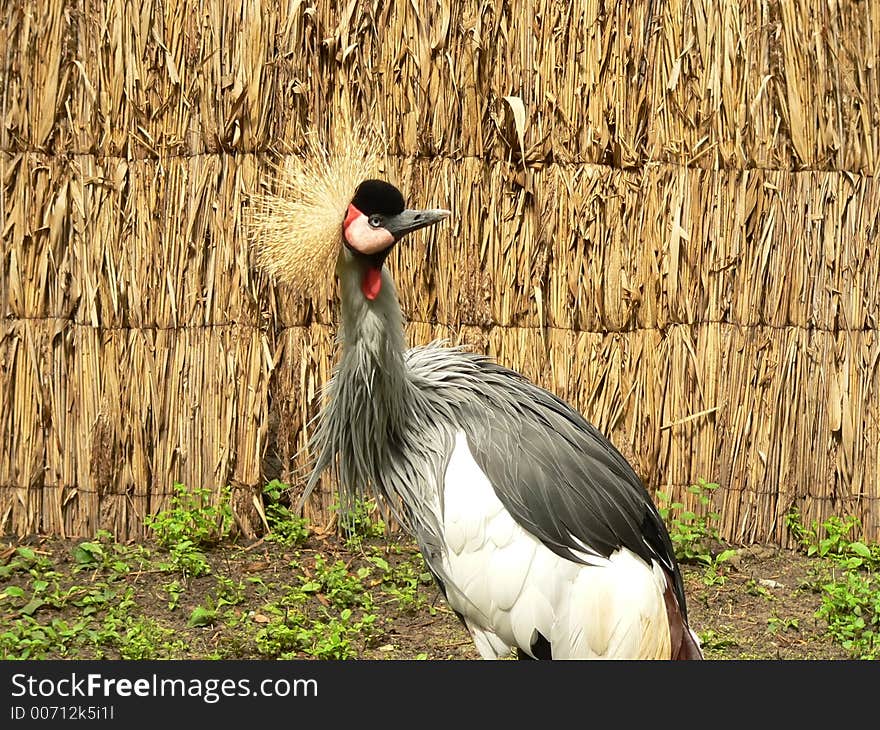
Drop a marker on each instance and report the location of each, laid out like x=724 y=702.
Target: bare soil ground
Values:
x=763 y=607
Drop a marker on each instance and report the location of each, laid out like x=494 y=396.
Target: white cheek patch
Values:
x=362 y=237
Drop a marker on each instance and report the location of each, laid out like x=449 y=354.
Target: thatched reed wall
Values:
x=681 y=238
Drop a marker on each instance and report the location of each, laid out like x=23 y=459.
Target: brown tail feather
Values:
x=684 y=646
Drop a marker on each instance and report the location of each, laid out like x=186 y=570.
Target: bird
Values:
x=539 y=534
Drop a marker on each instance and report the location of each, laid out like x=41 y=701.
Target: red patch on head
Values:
x=350 y=216
x=371 y=284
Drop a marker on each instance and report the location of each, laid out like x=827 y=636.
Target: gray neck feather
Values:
x=368 y=432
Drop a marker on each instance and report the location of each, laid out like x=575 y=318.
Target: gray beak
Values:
x=408 y=221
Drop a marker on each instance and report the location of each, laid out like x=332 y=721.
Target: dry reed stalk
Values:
x=676 y=231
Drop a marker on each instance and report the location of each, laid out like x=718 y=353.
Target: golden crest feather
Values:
x=296 y=230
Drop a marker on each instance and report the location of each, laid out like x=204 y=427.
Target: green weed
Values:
x=185 y=558
x=28 y=638
x=850 y=591
x=285 y=527
x=357 y=522
x=174 y=591
x=332 y=638
x=203 y=615
x=851 y=608
x=775 y=624
x=27 y=561
x=694 y=535
x=105 y=554
x=192 y=517
x=107 y=624
x=337 y=585
x=715 y=641
x=229 y=592
x=402 y=581
x=756 y=589
x=188 y=526
x=831 y=540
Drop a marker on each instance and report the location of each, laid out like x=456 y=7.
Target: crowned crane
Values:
x=538 y=532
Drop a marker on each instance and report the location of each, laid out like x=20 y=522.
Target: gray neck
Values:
x=371 y=332
x=368 y=419
x=378 y=431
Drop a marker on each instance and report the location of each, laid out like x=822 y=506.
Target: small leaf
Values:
x=725 y=555
x=31 y=606
x=859 y=548
x=14 y=591
x=202 y=616
x=87 y=553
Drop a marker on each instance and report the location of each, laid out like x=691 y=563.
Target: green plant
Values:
x=190 y=525
x=756 y=589
x=285 y=527
x=830 y=539
x=281 y=637
x=28 y=638
x=89 y=555
x=337 y=585
x=850 y=592
x=192 y=517
x=711 y=640
x=144 y=639
x=107 y=623
x=174 y=591
x=694 y=535
x=203 y=615
x=332 y=638
x=714 y=572
x=229 y=592
x=357 y=523
x=851 y=608
x=258 y=584
x=104 y=553
x=775 y=624
x=27 y=560
x=185 y=558
x=402 y=581
x=125 y=631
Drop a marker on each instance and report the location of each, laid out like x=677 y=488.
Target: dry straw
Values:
x=665 y=212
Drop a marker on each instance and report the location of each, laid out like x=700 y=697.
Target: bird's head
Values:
x=329 y=208
x=376 y=219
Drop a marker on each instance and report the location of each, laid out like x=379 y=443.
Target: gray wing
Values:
x=562 y=480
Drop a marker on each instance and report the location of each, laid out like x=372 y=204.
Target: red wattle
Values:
x=371 y=284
